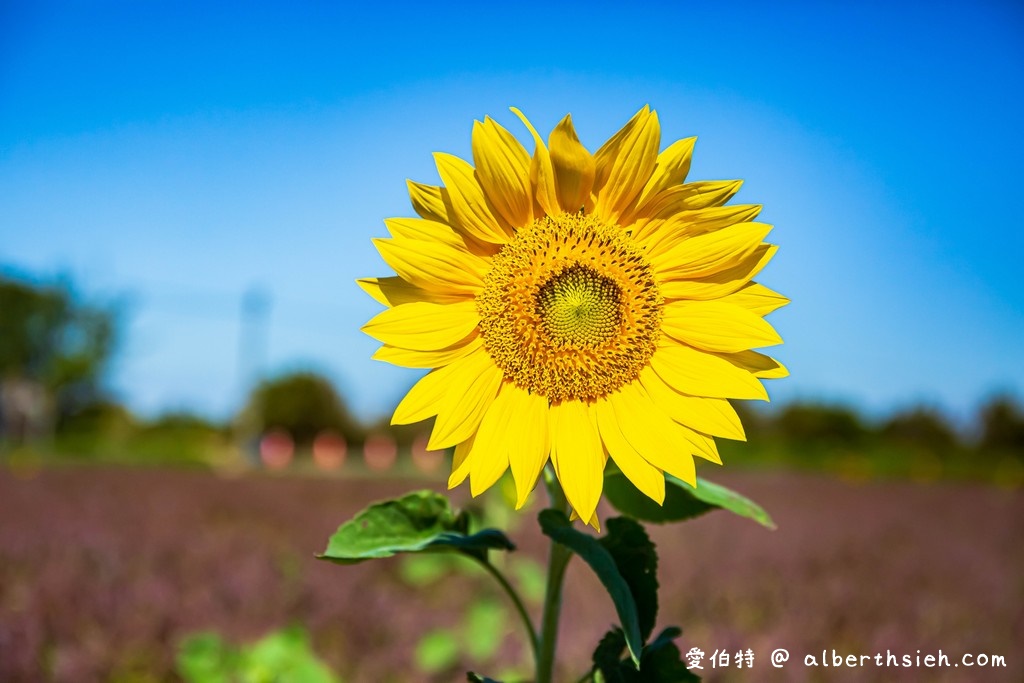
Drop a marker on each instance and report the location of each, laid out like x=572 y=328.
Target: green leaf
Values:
x=477 y=678
x=664 y=638
x=417 y=522
x=483 y=629
x=682 y=501
x=437 y=650
x=637 y=561
x=206 y=658
x=284 y=656
x=608 y=655
x=422 y=570
x=661 y=661
x=531 y=578
x=558 y=528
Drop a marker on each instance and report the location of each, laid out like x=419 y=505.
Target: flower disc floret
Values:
x=570 y=309
x=579 y=307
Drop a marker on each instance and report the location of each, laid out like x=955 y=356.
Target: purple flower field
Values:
x=104 y=570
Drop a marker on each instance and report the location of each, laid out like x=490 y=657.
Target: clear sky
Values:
x=174 y=155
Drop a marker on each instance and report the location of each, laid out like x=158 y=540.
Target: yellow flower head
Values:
x=576 y=306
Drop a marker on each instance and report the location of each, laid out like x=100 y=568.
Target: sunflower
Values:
x=576 y=306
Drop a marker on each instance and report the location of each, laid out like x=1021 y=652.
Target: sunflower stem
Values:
x=531 y=632
x=558 y=560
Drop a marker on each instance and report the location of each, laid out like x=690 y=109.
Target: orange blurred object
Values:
x=379 y=452
x=329 y=450
x=424 y=460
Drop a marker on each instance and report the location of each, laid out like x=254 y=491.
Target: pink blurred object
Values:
x=277 y=449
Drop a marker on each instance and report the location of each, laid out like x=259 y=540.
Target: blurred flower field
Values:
x=104 y=571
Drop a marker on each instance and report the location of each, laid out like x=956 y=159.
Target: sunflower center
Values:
x=570 y=309
x=580 y=307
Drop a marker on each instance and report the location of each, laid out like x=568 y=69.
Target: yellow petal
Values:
x=542 y=174
x=424 y=326
x=425 y=398
x=651 y=432
x=577 y=455
x=428 y=201
x=708 y=415
x=434 y=266
x=672 y=166
x=472 y=390
x=594 y=521
x=757 y=299
x=529 y=440
x=758 y=364
x=503 y=168
x=461 y=463
x=645 y=476
x=658 y=235
x=720 y=284
x=702 y=445
x=424 y=229
x=429 y=395
x=669 y=171
x=696 y=373
x=711 y=253
x=717 y=326
x=573 y=166
x=491 y=447
x=690 y=197
x=676 y=437
x=605 y=156
x=410 y=358
x=469 y=207
x=625 y=164
x=394 y=291
x=440 y=229
x=706 y=193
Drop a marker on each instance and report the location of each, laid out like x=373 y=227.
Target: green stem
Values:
x=558 y=560
x=531 y=632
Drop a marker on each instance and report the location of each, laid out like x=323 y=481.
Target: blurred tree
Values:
x=1002 y=426
x=100 y=416
x=923 y=428
x=825 y=424
x=303 y=404
x=54 y=351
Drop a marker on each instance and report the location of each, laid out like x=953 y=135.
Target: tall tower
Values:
x=253 y=336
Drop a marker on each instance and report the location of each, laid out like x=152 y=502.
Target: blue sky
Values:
x=176 y=155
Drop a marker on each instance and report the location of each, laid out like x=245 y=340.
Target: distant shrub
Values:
x=820 y=424
x=97 y=418
x=1002 y=426
x=282 y=657
x=303 y=404
x=923 y=428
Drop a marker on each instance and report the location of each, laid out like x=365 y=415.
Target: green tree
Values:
x=1002 y=426
x=811 y=423
x=922 y=428
x=51 y=338
x=303 y=404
